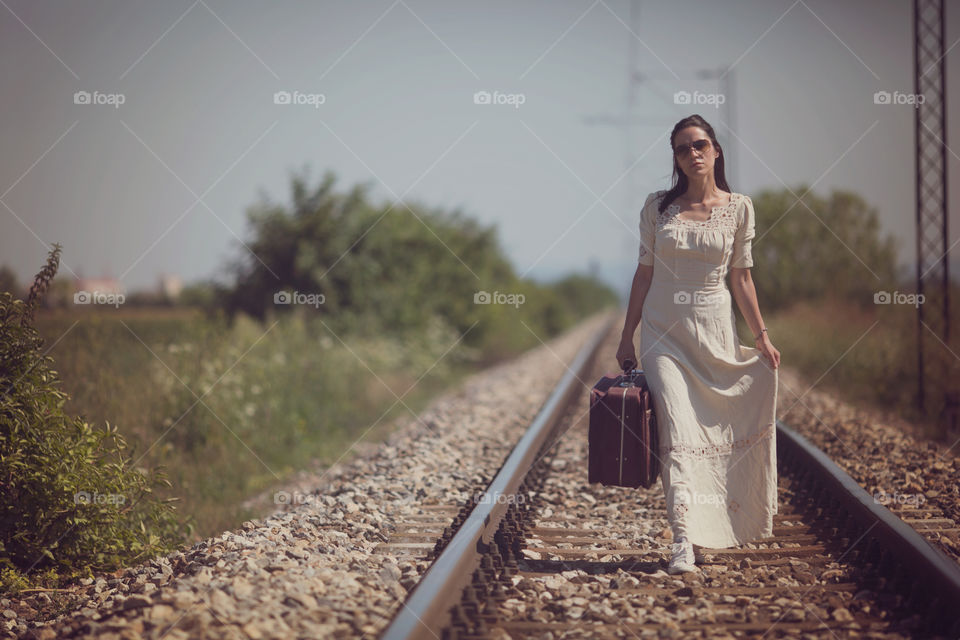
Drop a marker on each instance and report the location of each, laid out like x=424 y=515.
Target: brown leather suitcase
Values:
x=622 y=440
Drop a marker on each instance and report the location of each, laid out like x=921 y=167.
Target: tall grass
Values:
x=233 y=410
x=72 y=501
x=867 y=354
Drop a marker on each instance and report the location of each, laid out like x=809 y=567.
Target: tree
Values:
x=70 y=499
x=8 y=281
x=397 y=268
x=819 y=247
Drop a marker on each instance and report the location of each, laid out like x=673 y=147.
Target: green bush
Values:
x=395 y=268
x=233 y=402
x=8 y=281
x=820 y=246
x=69 y=499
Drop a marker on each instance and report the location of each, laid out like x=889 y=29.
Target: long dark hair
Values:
x=679 y=177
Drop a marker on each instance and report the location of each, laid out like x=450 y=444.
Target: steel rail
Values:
x=426 y=611
x=933 y=576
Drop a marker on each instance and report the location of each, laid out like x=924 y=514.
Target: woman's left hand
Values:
x=768 y=350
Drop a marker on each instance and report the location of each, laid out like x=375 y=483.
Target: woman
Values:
x=713 y=398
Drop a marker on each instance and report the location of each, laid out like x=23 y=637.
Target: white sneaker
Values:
x=698 y=554
x=682 y=559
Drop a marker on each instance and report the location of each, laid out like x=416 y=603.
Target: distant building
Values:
x=97 y=291
x=170 y=286
x=99 y=285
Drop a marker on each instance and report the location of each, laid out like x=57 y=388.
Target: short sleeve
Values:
x=742 y=240
x=648 y=229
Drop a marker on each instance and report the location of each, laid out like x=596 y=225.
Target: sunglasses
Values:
x=684 y=149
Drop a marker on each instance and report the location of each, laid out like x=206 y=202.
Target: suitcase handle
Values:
x=629 y=366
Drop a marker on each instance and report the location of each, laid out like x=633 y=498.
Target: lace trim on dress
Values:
x=679 y=510
x=714 y=450
x=723 y=217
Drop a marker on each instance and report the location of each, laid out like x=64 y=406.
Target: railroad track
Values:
x=541 y=553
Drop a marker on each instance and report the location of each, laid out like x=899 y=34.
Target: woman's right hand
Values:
x=626 y=352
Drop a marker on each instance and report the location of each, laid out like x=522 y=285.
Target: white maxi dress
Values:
x=714 y=398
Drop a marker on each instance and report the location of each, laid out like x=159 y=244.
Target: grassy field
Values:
x=233 y=411
x=866 y=354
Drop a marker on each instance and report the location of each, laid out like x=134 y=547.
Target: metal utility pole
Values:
x=625 y=122
x=933 y=279
x=724 y=77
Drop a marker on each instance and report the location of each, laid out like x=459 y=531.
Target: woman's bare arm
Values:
x=745 y=293
x=638 y=293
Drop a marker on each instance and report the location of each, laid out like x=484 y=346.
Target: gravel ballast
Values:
x=316 y=567
x=313 y=569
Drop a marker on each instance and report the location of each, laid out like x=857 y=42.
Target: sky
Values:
x=137 y=134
